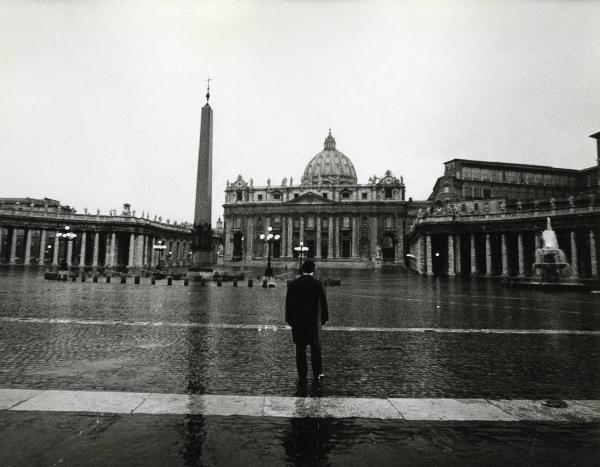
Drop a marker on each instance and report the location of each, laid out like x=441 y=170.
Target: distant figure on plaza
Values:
x=306 y=311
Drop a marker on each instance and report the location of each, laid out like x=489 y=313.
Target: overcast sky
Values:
x=100 y=100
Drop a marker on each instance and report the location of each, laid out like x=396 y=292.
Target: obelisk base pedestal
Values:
x=202 y=264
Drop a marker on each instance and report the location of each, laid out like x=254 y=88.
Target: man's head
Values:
x=308 y=266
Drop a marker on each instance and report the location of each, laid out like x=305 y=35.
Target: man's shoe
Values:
x=319 y=377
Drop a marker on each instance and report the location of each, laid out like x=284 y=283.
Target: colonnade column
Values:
x=250 y=239
x=55 y=252
x=420 y=255
x=428 y=254
x=27 y=256
x=504 y=256
x=82 y=249
x=139 y=250
x=290 y=237
x=96 y=249
x=330 y=238
x=574 y=267
x=69 y=252
x=113 y=245
x=131 y=250
x=457 y=268
x=318 y=242
x=42 y=254
x=13 y=247
x=520 y=254
x=488 y=255
x=473 y=257
x=399 y=253
x=451 y=255
x=593 y=258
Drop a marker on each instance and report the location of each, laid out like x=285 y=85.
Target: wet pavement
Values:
x=233 y=341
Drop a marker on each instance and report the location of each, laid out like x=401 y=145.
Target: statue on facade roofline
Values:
x=227 y=184
x=284 y=181
x=251 y=182
x=291 y=181
x=268 y=182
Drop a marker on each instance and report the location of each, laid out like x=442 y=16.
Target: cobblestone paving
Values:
x=252 y=362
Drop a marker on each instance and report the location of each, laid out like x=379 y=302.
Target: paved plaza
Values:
x=419 y=371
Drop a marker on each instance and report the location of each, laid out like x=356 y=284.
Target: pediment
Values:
x=309 y=198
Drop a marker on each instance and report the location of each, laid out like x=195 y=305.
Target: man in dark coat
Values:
x=306 y=311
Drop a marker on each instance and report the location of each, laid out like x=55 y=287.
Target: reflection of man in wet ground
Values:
x=305 y=312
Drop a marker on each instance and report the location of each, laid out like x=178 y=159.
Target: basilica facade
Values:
x=337 y=219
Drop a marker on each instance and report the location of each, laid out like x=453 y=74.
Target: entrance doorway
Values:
x=237 y=246
x=387 y=249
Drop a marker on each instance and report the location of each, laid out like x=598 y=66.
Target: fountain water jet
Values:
x=550 y=261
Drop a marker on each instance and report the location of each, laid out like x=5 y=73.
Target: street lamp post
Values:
x=160 y=247
x=300 y=249
x=69 y=236
x=269 y=238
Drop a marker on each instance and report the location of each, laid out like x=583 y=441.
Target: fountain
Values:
x=550 y=261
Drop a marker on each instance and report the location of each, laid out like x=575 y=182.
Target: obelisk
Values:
x=202 y=251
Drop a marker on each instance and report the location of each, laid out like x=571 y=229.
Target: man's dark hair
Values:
x=308 y=266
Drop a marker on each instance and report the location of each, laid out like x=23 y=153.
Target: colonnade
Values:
x=329 y=236
x=501 y=254
x=92 y=248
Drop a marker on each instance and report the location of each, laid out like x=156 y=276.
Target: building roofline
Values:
x=514 y=165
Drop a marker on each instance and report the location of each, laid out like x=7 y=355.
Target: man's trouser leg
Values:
x=301 y=360
x=315 y=359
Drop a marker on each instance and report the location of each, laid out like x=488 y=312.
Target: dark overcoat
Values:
x=306 y=309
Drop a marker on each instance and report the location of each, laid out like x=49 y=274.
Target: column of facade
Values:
x=82 y=249
x=574 y=266
x=27 y=256
x=473 y=256
x=290 y=238
x=504 y=256
x=13 y=247
x=56 y=248
x=96 y=249
x=593 y=258
x=373 y=237
x=42 y=254
x=283 y=239
x=457 y=260
x=520 y=252
x=330 y=238
x=1 y=232
x=428 y=255
x=250 y=237
x=451 y=255
x=227 y=248
x=69 y=252
x=139 y=249
x=488 y=255
x=354 y=236
x=301 y=237
x=318 y=240
x=338 y=243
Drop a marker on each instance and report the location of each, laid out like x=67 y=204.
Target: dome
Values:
x=330 y=166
